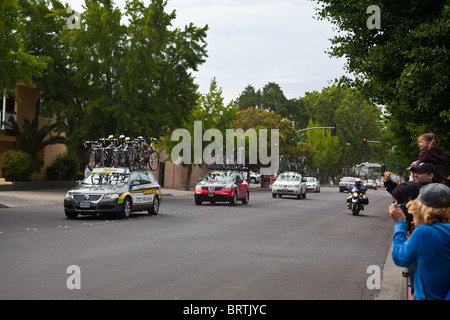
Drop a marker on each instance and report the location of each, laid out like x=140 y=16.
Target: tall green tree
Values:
x=16 y=65
x=271 y=98
x=212 y=114
x=107 y=77
x=355 y=116
x=328 y=151
x=404 y=64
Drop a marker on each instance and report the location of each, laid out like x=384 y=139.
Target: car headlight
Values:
x=68 y=195
x=198 y=188
x=111 y=196
x=296 y=186
x=229 y=187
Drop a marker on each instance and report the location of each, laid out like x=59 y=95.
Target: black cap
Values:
x=425 y=168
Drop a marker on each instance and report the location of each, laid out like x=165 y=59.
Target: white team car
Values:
x=289 y=183
x=312 y=184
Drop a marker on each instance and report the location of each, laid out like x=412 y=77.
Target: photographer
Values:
x=429 y=244
x=403 y=193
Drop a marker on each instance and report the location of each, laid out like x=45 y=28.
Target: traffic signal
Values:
x=364 y=142
x=333 y=129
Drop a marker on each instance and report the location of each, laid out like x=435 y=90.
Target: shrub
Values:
x=19 y=166
x=65 y=168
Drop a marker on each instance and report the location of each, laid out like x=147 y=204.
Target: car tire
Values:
x=71 y=215
x=304 y=195
x=198 y=202
x=274 y=195
x=126 y=210
x=252 y=180
x=233 y=200
x=155 y=207
x=247 y=198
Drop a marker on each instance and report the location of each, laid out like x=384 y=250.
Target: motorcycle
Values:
x=356 y=200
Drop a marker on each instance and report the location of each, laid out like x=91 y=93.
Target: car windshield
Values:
x=222 y=177
x=106 y=178
x=289 y=177
x=310 y=179
x=348 y=180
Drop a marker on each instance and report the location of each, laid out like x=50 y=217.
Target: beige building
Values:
x=28 y=106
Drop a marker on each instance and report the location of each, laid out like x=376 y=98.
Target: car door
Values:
x=241 y=185
x=137 y=191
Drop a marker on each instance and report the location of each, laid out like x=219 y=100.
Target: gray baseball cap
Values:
x=435 y=195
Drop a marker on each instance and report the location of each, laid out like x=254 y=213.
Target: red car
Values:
x=346 y=184
x=222 y=186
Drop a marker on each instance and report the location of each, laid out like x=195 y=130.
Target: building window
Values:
x=41 y=110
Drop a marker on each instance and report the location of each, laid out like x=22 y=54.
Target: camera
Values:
x=409 y=216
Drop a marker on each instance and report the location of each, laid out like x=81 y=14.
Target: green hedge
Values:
x=19 y=166
x=65 y=168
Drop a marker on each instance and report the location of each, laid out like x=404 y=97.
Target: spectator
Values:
x=432 y=154
x=403 y=193
x=429 y=244
x=425 y=173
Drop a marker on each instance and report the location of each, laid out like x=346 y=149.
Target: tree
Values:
x=110 y=78
x=212 y=114
x=16 y=65
x=271 y=98
x=404 y=65
x=328 y=152
x=355 y=116
x=31 y=138
x=261 y=119
x=249 y=98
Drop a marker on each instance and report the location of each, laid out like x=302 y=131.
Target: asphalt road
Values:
x=269 y=249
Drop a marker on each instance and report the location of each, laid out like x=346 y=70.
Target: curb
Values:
x=37 y=185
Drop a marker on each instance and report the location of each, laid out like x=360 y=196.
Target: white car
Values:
x=312 y=184
x=254 y=177
x=289 y=183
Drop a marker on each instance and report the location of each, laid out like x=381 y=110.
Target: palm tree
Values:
x=31 y=138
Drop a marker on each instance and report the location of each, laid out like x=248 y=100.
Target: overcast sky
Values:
x=258 y=41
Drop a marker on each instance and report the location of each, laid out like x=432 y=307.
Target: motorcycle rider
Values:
x=362 y=189
x=360 y=186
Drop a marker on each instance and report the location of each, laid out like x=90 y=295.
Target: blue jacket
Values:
x=429 y=246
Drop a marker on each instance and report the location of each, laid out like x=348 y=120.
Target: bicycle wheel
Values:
x=91 y=159
x=152 y=160
x=132 y=159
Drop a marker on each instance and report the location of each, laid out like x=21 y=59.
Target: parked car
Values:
x=254 y=177
x=346 y=183
x=289 y=183
x=312 y=184
x=222 y=186
x=114 y=190
x=370 y=184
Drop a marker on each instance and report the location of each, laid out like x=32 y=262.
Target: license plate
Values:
x=85 y=205
x=210 y=194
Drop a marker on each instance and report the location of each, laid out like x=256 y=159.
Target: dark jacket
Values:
x=434 y=156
